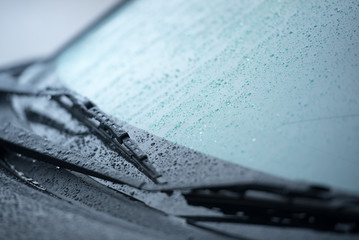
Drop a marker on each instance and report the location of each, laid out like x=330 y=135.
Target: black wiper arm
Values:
x=99 y=123
x=307 y=206
x=111 y=134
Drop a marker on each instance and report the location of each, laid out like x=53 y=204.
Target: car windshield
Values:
x=270 y=85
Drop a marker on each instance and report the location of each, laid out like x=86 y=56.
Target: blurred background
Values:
x=37 y=28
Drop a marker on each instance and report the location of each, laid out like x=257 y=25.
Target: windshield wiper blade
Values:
x=308 y=206
x=99 y=123
x=105 y=128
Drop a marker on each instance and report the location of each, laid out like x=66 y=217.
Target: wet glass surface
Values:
x=271 y=85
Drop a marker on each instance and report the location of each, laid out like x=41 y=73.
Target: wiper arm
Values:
x=308 y=206
x=111 y=134
x=99 y=123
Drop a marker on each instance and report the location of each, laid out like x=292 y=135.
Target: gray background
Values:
x=36 y=28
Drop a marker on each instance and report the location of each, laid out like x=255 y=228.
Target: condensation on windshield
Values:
x=271 y=85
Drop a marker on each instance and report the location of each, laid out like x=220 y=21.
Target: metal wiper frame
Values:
x=105 y=128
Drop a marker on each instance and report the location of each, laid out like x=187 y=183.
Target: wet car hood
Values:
x=181 y=167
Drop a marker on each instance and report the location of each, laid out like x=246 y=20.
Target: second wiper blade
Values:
x=271 y=204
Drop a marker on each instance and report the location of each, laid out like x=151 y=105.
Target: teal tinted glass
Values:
x=271 y=85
